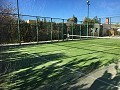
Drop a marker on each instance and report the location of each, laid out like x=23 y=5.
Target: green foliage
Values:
x=72 y=20
x=91 y=21
x=96 y=20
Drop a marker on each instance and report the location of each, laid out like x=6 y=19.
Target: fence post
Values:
x=37 y=27
x=67 y=33
x=72 y=31
x=98 y=32
x=51 y=29
x=80 y=29
x=58 y=32
x=87 y=29
x=110 y=22
x=93 y=29
x=63 y=30
x=19 y=36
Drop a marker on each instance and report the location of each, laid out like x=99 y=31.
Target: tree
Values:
x=72 y=20
x=91 y=21
x=7 y=22
x=96 y=19
x=86 y=20
x=6 y=12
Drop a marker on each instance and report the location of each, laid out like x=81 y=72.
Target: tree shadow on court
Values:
x=45 y=72
x=24 y=60
x=46 y=78
x=106 y=82
x=40 y=72
x=79 y=73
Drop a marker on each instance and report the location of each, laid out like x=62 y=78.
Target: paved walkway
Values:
x=90 y=78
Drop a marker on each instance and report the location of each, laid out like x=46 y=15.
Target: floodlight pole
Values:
x=18 y=23
x=88 y=3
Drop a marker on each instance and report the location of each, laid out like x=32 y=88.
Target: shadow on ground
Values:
x=106 y=82
x=25 y=71
x=42 y=72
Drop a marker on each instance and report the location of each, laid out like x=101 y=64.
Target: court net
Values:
x=75 y=37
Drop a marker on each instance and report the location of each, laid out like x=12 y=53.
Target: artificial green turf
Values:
x=43 y=65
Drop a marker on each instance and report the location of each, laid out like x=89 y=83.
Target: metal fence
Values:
x=29 y=28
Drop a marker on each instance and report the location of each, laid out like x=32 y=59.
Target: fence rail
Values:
x=36 y=28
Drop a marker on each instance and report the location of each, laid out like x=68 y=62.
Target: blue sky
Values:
x=68 y=8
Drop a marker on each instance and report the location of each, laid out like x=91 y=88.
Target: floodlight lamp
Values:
x=88 y=2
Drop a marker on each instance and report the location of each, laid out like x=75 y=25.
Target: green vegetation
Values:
x=55 y=65
x=38 y=28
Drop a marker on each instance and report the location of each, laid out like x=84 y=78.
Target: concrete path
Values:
x=89 y=79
